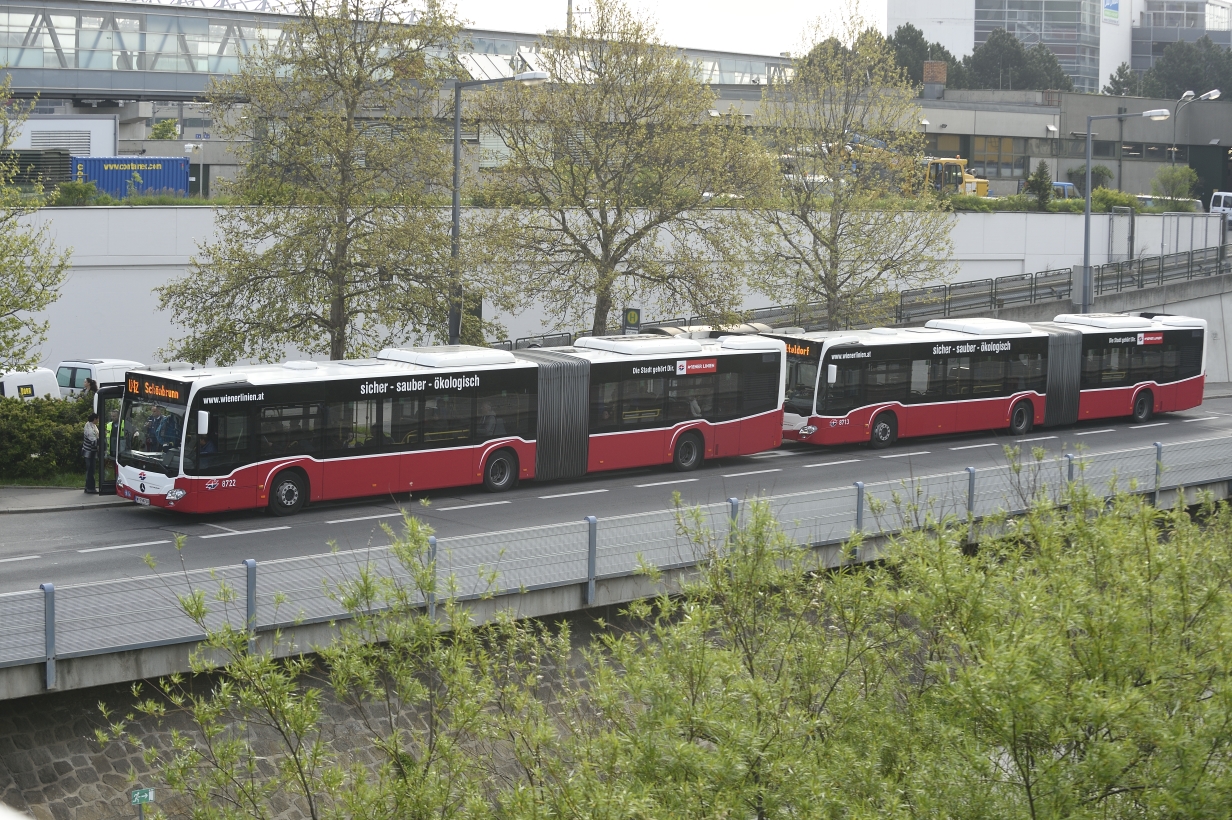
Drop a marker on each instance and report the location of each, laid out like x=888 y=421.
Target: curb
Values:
x=65 y=507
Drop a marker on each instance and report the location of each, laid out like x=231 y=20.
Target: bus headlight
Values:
x=119 y=480
x=176 y=495
x=807 y=430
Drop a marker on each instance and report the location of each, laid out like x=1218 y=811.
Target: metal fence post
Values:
x=432 y=589
x=49 y=632
x=250 y=620
x=970 y=492
x=859 y=506
x=1069 y=458
x=592 y=557
x=1159 y=470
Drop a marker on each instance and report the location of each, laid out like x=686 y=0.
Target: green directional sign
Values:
x=142 y=796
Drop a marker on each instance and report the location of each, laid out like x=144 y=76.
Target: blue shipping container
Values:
x=147 y=174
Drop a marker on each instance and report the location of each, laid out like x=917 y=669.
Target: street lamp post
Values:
x=1185 y=100
x=1088 y=284
x=455 y=230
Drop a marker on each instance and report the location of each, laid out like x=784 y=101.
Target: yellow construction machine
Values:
x=949 y=176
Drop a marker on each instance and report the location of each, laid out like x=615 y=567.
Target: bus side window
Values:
x=690 y=397
x=1146 y=364
x=604 y=405
x=988 y=375
x=1114 y=369
x=448 y=418
x=402 y=422
x=844 y=395
x=1189 y=356
x=222 y=449
x=502 y=413
x=958 y=377
x=726 y=396
x=1025 y=371
x=351 y=427
x=927 y=381
x=759 y=384
x=886 y=381
x=292 y=429
x=1092 y=367
x=641 y=402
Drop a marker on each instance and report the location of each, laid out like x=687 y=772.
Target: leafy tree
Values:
x=31 y=267
x=340 y=247
x=1101 y=175
x=1124 y=82
x=1039 y=185
x=165 y=130
x=608 y=175
x=852 y=222
x=1174 y=186
x=1197 y=67
x=911 y=50
x=1001 y=61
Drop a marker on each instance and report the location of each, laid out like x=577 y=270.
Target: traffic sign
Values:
x=142 y=796
x=631 y=323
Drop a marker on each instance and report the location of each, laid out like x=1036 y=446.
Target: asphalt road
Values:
x=98 y=544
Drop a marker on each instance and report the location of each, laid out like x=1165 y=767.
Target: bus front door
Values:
x=107 y=405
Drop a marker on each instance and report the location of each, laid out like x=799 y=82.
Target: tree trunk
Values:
x=603 y=308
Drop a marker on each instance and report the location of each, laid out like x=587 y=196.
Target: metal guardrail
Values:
x=1154 y=271
x=50 y=623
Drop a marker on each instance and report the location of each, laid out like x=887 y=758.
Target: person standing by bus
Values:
x=89 y=450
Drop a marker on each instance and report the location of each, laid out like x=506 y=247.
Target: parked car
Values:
x=72 y=374
x=1221 y=203
x=1148 y=201
x=29 y=384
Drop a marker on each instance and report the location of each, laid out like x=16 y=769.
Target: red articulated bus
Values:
x=959 y=375
x=418 y=419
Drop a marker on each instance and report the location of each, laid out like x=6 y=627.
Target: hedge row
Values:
x=41 y=438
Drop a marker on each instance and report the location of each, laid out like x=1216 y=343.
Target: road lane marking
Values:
x=904 y=455
x=245 y=532
x=774 y=454
x=221 y=527
x=125 y=546
x=831 y=463
x=1144 y=426
x=1037 y=438
x=1094 y=432
x=664 y=483
x=751 y=472
x=22 y=558
x=364 y=518
x=973 y=446
x=470 y=506
x=567 y=495
x=1204 y=418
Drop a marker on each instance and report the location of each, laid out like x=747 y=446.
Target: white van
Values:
x=72 y=374
x=29 y=384
x=1221 y=203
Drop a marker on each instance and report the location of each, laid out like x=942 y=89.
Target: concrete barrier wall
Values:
x=120 y=254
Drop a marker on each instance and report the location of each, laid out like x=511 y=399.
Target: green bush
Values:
x=41 y=438
x=1068 y=206
x=987 y=205
x=80 y=193
x=1104 y=199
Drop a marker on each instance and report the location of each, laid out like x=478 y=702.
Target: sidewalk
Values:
x=1217 y=390
x=52 y=499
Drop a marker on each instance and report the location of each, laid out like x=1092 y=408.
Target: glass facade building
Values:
x=190 y=40
x=1069 y=28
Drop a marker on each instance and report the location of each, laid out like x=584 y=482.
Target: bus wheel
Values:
x=501 y=471
x=1144 y=405
x=289 y=493
x=1022 y=418
x=885 y=431
x=688 y=455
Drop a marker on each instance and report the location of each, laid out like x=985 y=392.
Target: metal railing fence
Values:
x=41 y=626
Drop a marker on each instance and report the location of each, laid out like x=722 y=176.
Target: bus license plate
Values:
x=145 y=502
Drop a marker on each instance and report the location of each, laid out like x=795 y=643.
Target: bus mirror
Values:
x=203 y=422
x=831 y=373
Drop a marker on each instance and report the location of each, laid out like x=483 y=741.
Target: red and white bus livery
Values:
x=417 y=419
x=959 y=375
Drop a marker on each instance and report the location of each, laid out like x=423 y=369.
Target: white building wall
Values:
x=67 y=132
x=949 y=22
x=1115 y=36
x=121 y=254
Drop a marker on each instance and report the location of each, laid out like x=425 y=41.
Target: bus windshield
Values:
x=150 y=434
x=801 y=384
